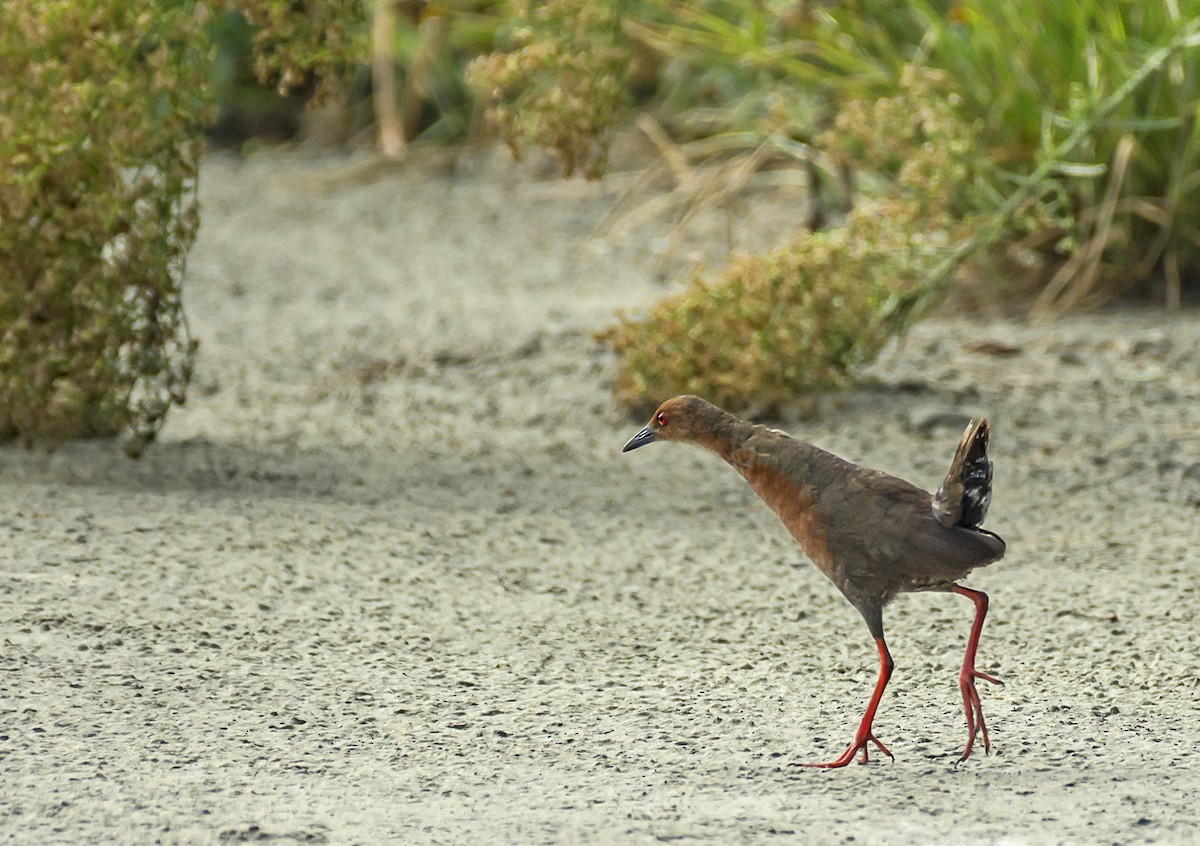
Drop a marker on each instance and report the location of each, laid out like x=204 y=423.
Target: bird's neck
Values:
x=725 y=435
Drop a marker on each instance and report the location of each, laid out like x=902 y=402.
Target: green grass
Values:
x=1118 y=208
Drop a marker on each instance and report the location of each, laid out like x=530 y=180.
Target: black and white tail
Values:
x=964 y=497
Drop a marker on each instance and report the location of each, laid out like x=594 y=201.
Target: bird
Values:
x=873 y=534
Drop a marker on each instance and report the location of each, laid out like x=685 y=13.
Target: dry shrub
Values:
x=767 y=329
x=98 y=154
x=309 y=40
x=562 y=83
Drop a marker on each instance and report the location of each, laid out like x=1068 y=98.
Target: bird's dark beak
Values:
x=640 y=439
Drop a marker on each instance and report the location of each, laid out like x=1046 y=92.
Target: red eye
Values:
x=662 y=418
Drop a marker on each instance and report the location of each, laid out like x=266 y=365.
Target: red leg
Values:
x=966 y=677
x=864 y=736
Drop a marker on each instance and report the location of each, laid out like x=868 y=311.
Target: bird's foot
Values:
x=973 y=708
x=860 y=744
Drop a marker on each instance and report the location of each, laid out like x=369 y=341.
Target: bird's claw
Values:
x=973 y=708
x=859 y=745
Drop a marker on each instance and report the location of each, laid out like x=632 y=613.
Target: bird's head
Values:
x=678 y=419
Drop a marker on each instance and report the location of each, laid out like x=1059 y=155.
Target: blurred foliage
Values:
x=99 y=141
x=1119 y=208
x=1032 y=122
x=321 y=51
x=1123 y=205
x=768 y=328
x=747 y=75
x=1060 y=139
x=561 y=81
x=1052 y=177
x=246 y=109
x=303 y=42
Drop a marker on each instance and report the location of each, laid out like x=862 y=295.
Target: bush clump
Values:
x=99 y=142
x=768 y=328
x=312 y=40
x=562 y=82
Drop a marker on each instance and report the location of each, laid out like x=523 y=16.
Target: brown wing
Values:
x=964 y=497
x=885 y=539
x=873 y=534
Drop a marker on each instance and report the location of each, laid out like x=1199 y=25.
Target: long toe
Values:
x=978 y=729
x=978 y=675
x=973 y=709
x=859 y=746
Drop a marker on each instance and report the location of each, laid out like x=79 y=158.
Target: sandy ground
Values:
x=388 y=577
